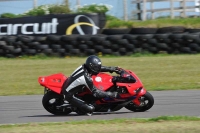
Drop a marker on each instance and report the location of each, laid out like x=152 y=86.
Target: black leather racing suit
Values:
x=79 y=78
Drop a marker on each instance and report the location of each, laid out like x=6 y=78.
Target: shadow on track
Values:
x=72 y=115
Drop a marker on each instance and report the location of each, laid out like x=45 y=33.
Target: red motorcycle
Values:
x=133 y=96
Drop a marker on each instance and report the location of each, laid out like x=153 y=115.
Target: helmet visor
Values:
x=95 y=68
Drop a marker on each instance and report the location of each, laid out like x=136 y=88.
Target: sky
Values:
x=19 y=7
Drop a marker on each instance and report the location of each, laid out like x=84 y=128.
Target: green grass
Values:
x=162 y=124
x=157 y=72
x=157 y=23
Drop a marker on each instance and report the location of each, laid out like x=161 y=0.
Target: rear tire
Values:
x=147 y=100
x=51 y=100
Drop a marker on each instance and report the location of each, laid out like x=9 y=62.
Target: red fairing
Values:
x=132 y=86
x=102 y=81
x=53 y=82
x=135 y=86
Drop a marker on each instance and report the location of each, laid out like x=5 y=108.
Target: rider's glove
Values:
x=118 y=70
x=114 y=69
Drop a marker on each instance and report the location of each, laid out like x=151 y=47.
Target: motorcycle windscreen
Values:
x=102 y=81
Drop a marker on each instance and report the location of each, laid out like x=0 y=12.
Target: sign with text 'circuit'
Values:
x=61 y=24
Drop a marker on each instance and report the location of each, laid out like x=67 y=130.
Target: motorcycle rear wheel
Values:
x=147 y=101
x=51 y=100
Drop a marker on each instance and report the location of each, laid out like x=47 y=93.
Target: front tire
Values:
x=51 y=101
x=147 y=101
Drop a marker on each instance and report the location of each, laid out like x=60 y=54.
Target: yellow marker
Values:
x=70 y=28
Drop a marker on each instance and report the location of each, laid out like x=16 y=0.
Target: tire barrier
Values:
x=83 y=45
x=163 y=30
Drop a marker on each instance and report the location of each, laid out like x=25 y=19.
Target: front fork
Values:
x=140 y=93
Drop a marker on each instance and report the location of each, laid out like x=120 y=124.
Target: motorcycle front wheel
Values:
x=52 y=101
x=147 y=101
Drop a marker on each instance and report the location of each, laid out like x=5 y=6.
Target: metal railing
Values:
x=142 y=11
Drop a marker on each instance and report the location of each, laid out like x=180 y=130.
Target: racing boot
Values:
x=88 y=109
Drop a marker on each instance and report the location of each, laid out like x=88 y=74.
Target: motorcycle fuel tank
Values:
x=102 y=81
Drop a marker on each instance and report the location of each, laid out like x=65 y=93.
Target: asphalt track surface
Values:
x=28 y=109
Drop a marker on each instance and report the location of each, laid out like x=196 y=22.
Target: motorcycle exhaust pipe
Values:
x=81 y=105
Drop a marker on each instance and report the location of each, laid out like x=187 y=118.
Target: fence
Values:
x=142 y=12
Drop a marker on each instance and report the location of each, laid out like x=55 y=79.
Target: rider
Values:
x=82 y=76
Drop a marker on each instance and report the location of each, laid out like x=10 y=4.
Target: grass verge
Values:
x=160 y=72
x=162 y=124
x=156 y=23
